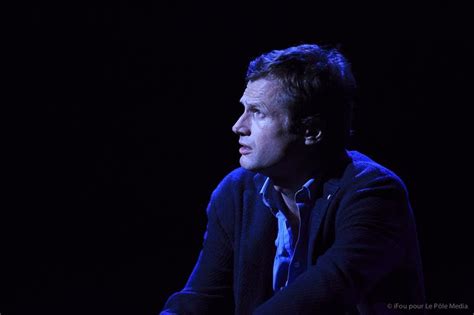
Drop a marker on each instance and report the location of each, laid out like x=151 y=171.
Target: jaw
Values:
x=277 y=167
x=277 y=160
x=289 y=172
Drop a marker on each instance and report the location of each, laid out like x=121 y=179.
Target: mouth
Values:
x=244 y=149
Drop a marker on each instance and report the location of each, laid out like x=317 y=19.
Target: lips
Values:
x=244 y=149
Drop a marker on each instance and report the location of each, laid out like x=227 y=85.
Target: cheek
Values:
x=271 y=136
x=275 y=145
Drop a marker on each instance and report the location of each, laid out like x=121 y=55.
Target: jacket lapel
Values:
x=319 y=210
x=331 y=181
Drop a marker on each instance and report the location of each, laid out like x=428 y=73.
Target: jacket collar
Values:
x=331 y=176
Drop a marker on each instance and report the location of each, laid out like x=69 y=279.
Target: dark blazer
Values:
x=362 y=251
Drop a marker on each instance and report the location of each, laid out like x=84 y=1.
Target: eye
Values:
x=256 y=112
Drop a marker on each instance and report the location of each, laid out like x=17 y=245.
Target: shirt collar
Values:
x=273 y=200
x=304 y=194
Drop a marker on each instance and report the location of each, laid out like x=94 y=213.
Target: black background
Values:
x=122 y=129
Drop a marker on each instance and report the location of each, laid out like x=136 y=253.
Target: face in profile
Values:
x=267 y=145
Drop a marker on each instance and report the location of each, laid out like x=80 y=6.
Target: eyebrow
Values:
x=261 y=105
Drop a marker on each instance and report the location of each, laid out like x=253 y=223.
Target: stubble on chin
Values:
x=246 y=164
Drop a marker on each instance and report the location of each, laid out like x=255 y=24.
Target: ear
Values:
x=313 y=136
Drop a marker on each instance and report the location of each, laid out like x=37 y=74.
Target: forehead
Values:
x=260 y=91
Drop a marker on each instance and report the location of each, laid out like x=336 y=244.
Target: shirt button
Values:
x=297 y=264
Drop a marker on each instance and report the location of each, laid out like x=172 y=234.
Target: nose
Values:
x=240 y=127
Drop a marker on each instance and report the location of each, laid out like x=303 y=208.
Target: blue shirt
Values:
x=291 y=242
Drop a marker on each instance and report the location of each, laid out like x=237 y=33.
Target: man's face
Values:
x=267 y=145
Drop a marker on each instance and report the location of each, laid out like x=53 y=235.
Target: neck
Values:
x=293 y=178
x=293 y=181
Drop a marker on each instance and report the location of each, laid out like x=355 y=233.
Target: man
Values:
x=304 y=226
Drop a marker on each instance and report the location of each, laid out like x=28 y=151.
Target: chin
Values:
x=248 y=165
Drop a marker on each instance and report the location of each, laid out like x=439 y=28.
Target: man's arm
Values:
x=371 y=230
x=209 y=288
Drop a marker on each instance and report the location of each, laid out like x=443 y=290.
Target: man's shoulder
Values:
x=240 y=174
x=239 y=179
x=364 y=169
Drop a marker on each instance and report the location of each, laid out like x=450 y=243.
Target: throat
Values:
x=289 y=199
